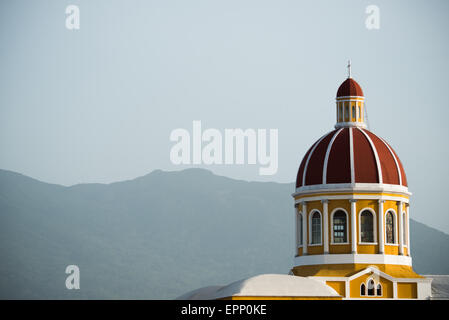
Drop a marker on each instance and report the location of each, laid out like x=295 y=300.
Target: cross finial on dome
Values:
x=349 y=68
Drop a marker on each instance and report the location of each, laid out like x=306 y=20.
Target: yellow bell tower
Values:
x=352 y=210
x=350 y=108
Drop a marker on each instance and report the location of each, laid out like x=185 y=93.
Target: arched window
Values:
x=390 y=227
x=339 y=227
x=379 y=290
x=367 y=226
x=353 y=113
x=299 y=229
x=360 y=113
x=340 y=112
x=362 y=289
x=371 y=287
x=316 y=228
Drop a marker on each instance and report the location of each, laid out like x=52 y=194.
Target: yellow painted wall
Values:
x=360 y=205
x=338 y=286
x=407 y=290
x=391 y=249
x=278 y=298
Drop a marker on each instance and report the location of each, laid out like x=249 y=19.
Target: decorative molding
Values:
x=350 y=196
x=352 y=258
x=352 y=187
x=348 y=124
x=351 y=155
x=349 y=98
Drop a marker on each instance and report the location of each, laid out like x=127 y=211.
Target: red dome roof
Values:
x=350 y=155
x=349 y=88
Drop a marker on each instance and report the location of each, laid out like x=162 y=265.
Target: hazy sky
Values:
x=98 y=104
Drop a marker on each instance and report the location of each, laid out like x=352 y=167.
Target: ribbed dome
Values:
x=349 y=87
x=350 y=155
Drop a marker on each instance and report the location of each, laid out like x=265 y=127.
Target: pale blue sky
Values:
x=98 y=104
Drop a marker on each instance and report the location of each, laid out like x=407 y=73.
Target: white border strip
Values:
x=351 y=187
x=352 y=258
x=395 y=160
x=351 y=155
x=326 y=158
x=373 y=147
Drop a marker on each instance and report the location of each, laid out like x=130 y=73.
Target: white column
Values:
x=353 y=226
x=407 y=212
x=296 y=230
x=325 y=226
x=381 y=226
x=401 y=228
x=304 y=228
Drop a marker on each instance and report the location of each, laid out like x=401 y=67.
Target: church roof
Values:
x=265 y=285
x=349 y=87
x=350 y=155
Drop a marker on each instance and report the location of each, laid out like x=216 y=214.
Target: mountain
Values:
x=154 y=237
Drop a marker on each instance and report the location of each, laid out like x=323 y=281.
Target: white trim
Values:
x=353 y=226
x=400 y=227
x=311 y=213
x=308 y=158
x=332 y=227
x=373 y=147
x=318 y=259
x=346 y=124
x=298 y=230
x=395 y=160
x=349 y=98
x=381 y=227
x=373 y=212
x=395 y=290
x=350 y=196
x=304 y=228
x=351 y=155
x=325 y=225
x=352 y=187
x=407 y=210
x=326 y=158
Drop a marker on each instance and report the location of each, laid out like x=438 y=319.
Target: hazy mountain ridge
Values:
x=156 y=236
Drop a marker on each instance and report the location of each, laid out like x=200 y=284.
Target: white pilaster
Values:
x=304 y=228
x=395 y=290
x=401 y=227
x=381 y=226
x=353 y=226
x=407 y=212
x=296 y=216
x=325 y=226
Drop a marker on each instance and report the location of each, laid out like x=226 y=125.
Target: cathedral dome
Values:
x=350 y=155
x=349 y=87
